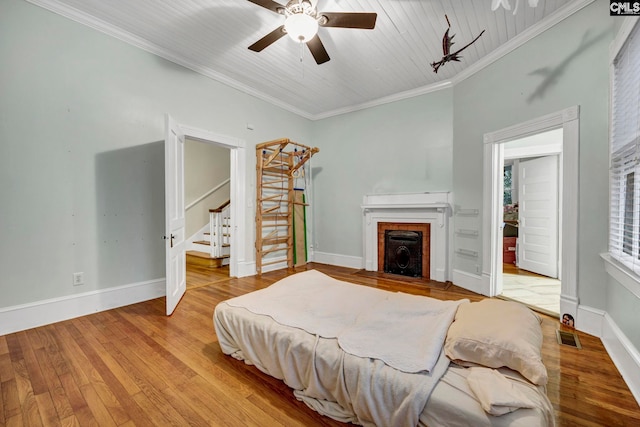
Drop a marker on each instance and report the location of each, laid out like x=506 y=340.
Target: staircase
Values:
x=213 y=251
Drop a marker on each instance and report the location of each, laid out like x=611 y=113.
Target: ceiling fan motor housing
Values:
x=302 y=21
x=300 y=6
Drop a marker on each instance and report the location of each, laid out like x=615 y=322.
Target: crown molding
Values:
x=106 y=28
x=522 y=38
x=385 y=100
x=621 y=37
x=511 y=45
x=111 y=30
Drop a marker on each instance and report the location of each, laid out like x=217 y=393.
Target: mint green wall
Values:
x=82 y=157
x=623 y=306
x=513 y=90
x=402 y=147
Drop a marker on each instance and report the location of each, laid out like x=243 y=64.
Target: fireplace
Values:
x=404 y=249
x=428 y=213
x=403 y=253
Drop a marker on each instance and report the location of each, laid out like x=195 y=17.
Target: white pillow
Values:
x=497 y=333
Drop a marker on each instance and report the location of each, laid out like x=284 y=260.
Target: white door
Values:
x=538 y=215
x=174 y=214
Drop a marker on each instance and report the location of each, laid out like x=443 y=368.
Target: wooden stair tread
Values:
x=204 y=242
x=200 y=254
x=204 y=259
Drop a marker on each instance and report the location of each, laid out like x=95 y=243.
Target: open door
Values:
x=538 y=212
x=174 y=214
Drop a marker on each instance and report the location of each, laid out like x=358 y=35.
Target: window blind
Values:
x=624 y=218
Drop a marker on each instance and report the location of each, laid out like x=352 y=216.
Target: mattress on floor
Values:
x=331 y=381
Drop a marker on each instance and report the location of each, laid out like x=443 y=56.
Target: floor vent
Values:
x=568 y=338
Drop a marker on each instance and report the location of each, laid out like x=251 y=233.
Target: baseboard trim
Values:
x=623 y=353
x=26 y=316
x=471 y=282
x=338 y=260
x=246 y=268
x=590 y=320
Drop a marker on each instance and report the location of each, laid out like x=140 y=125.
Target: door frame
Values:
x=569 y=120
x=237 y=174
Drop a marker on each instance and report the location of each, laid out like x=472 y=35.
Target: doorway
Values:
x=207 y=183
x=568 y=121
x=532 y=206
x=175 y=136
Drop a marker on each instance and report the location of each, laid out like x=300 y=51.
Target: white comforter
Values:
x=392 y=345
x=405 y=331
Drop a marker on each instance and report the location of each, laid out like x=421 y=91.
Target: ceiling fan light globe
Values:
x=301 y=27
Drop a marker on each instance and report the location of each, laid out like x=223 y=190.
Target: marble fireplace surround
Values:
x=432 y=208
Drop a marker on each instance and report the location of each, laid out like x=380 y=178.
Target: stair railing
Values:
x=207 y=194
x=219 y=228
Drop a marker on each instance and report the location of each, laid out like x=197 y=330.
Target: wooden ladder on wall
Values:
x=276 y=164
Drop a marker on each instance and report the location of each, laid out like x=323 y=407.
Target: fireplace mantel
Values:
x=433 y=208
x=407 y=201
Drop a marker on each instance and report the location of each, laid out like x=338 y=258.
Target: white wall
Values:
x=82 y=158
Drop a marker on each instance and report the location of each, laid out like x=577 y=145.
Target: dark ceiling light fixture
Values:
x=302 y=21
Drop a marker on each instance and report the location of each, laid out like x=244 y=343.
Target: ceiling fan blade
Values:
x=269 y=4
x=364 y=20
x=317 y=50
x=273 y=36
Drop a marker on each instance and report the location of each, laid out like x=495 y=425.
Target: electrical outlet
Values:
x=78 y=279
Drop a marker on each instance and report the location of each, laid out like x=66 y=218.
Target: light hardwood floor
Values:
x=135 y=366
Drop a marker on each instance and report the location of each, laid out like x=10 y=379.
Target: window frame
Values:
x=624 y=158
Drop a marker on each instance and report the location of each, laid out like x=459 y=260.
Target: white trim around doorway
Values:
x=569 y=120
x=238 y=172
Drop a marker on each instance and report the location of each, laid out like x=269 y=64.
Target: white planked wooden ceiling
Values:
x=367 y=67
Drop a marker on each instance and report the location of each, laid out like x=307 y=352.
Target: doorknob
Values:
x=167 y=238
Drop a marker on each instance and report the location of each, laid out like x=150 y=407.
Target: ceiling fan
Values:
x=302 y=22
